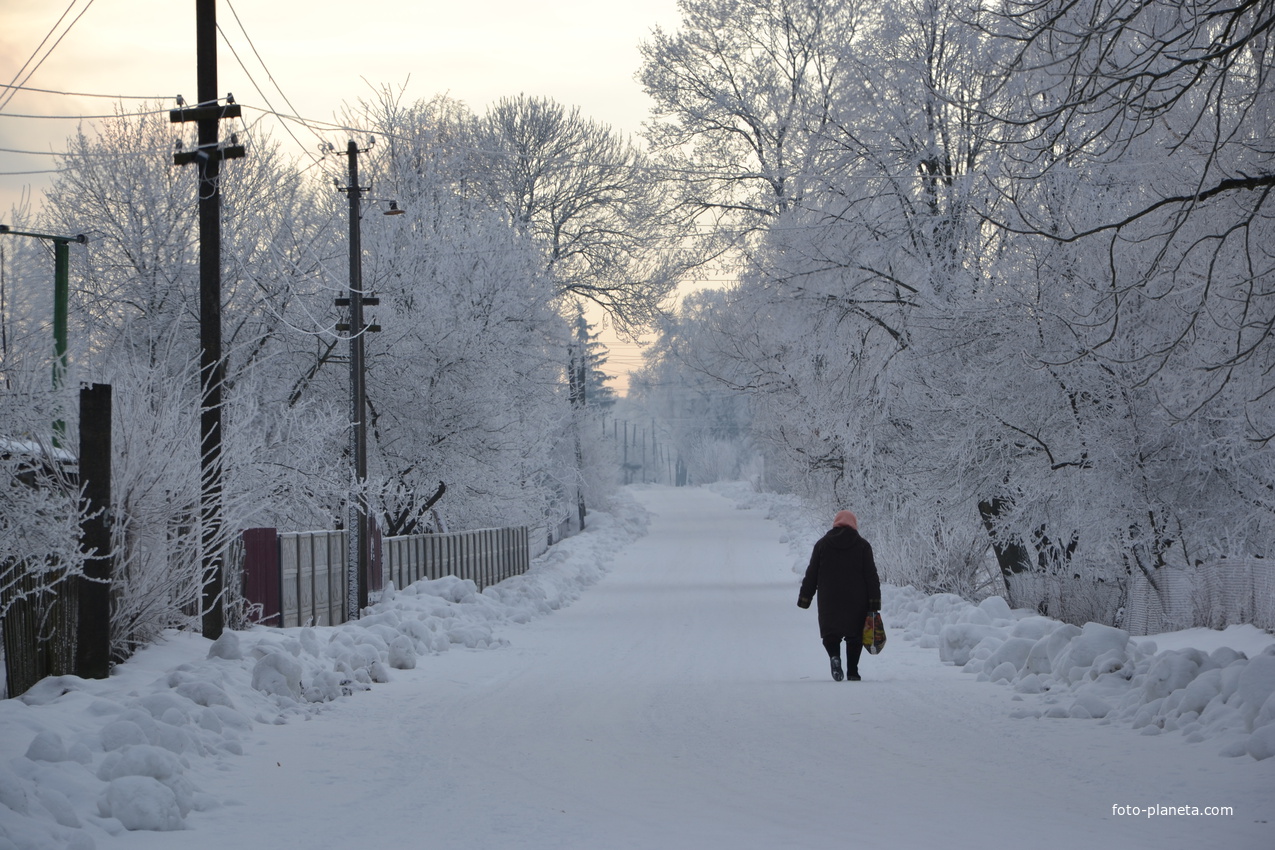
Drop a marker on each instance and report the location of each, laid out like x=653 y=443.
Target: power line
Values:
x=269 y=76
x=311 y=123
x=56 y=24
x=36 y=171
x=112 y=154
x=84 y=94
x=5 y=101
x=30 y=153
x=248 y=74
x=85 y=117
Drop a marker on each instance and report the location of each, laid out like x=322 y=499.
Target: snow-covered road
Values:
x=684 y=702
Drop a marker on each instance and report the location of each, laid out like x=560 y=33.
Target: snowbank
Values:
x=1205 y=684
x=1099 y=672
x=81 y=756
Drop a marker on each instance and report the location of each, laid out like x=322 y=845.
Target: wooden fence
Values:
x=38 y=626
x=298 y=578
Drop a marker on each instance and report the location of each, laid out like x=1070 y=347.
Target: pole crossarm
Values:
x=204 y=113
x=210 y=153
x=79 y=238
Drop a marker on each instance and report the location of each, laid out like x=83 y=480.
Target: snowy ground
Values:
x=680 y=699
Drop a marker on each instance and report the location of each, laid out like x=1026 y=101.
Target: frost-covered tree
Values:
x=134 y=325
x=1135 y=207
x=467 y=381
x=599 y=394
x=40 y=507
x=135 y=298
x=687 y=389
x=742 y=94
x=911 y=345
x=1167 y=110
x=40 y=514
x=588 y=197
x=467 y=377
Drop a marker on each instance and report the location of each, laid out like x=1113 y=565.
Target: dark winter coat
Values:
x=844 y=575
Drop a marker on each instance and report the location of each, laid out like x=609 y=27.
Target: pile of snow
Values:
x=1099 y=672
x=1203 y=683
x=78 y=756
x=85 y=758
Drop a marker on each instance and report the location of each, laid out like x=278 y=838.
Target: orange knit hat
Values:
x=846 y=518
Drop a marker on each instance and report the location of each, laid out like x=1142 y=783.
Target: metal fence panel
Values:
x=321 y=573
x=312 y=575
x=485 y=556
x=312 y=566
x=290 y=578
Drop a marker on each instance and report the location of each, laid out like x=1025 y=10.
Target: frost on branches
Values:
x=1003 y=281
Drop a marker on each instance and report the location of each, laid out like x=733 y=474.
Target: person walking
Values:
x=844 y=575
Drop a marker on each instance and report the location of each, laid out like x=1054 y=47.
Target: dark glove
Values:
x=803 y=602
x=874 y=604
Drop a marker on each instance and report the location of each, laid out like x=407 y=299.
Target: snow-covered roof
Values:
x=13 y=446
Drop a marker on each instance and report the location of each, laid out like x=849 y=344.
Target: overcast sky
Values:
x=321 y=54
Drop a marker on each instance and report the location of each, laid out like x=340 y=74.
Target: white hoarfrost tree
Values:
x=742 y=95
x=823 y=324
x=694 y=396
x=1140 y=179
x=135 y=326
x=1169 y=111
x=467 y=377
x=593 y=204
x=40 y=508
x=40 y=514
x=925 y=330
x=466 y=381
x=590 y=200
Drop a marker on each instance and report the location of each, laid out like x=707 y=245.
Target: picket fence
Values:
x=298 y=578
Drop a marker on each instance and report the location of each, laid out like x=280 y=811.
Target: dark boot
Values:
x=837 y=675
x=854 y=650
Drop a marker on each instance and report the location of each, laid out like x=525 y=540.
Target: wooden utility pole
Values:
x=579 y=374
x=357 y=562
x=359 y=538
x=208 y=156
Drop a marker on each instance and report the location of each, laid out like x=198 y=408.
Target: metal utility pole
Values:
x=61 y=299
x=212 y=369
